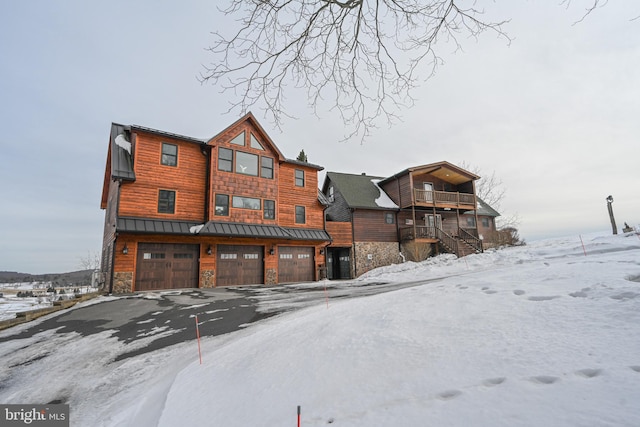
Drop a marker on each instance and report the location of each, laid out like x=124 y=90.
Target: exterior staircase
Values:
x=461 y=245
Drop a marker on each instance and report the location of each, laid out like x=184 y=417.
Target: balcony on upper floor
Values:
x=444 y=199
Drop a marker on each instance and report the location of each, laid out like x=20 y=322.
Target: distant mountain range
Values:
x=80 y=278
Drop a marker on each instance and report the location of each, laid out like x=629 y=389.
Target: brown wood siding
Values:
x=232 y=183
x=340 y=232
x=291 y=196
x=370 y=226
x=405 y=192
x=187 y=179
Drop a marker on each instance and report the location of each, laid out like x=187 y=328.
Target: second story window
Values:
x=169 y=154
x=471 y=221
x=222 y=205
x=246 y=163
x=300 y=215
x=225 y=159
x=166 y=201
x=266 y=169
x=269 y=209
x=246 y=203
x=299 y=178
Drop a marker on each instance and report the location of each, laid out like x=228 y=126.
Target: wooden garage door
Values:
x=166 y=266
x=295 y=264
x=240 y=265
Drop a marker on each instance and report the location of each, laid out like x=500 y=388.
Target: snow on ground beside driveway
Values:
x=533 y=336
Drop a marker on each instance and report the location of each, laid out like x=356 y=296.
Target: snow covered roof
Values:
x=361 y=191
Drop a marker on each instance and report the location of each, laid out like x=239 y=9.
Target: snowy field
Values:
x=10 y=303
x=540 y=335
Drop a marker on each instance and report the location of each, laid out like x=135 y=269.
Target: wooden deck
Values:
x=444 y=199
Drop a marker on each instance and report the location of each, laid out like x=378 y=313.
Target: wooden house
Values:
x=183 y=212
x=420 y=211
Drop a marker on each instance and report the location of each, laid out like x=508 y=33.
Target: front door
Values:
x=431 y=220
x=428 y=191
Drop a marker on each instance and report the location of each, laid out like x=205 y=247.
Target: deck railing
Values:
x=443 y=197
x=470 y=239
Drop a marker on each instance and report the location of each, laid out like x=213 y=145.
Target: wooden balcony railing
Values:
x=451 y=243
x=443 y=198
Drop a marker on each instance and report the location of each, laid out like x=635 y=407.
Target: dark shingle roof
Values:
x=359 y=191
x=484 y=209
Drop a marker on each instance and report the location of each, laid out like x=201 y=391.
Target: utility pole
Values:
x=613 y=220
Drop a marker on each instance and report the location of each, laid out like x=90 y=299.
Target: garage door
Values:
x=166 y=266
x=295 y=264
x=240 y=265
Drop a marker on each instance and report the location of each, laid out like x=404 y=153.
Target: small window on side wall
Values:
x=169 y=154
x=389 y=218
x=222 y=205
x=300 y=215
x=299 y=178
x=166 y=201
x=486 y=223
x=471 y=221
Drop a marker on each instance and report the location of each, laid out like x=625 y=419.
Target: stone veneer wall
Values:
x=207 y=279
x=271 y=278
x=122 y=282
x=381 y=254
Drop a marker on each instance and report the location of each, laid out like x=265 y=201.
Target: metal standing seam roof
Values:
x=213 y=228
x=121 y=159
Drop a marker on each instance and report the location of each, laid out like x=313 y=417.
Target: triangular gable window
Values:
x=255 y=144
x=238 y=140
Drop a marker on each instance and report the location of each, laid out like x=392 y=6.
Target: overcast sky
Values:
x=556 y=114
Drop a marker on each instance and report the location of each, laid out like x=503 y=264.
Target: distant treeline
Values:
x=82 y=277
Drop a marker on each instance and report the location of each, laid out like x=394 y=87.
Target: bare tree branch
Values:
x=363 y=57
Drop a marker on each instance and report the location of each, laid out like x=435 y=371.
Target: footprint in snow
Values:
x=519 y=292
x=491 y=382
x=635 y=368
x=490 y=291
x=449 y=394
x=544 y=298
x=589 y=373
x=544 y=379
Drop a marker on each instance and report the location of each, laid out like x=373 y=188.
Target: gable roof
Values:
x=360 y=191
x=252 y=120
x=444 y=170
x=484 y=209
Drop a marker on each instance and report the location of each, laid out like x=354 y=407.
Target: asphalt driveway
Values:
x=169 y=317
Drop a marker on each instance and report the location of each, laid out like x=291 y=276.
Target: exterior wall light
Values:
x=125 y=250
x=209 y=250
x=272 y=251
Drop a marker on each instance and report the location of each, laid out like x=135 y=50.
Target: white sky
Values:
x=555 y=114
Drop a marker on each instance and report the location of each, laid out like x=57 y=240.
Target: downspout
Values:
x=207 y=191
x=353 y=243
x=115 y=233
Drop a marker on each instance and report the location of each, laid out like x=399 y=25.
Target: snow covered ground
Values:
x=540 y=335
